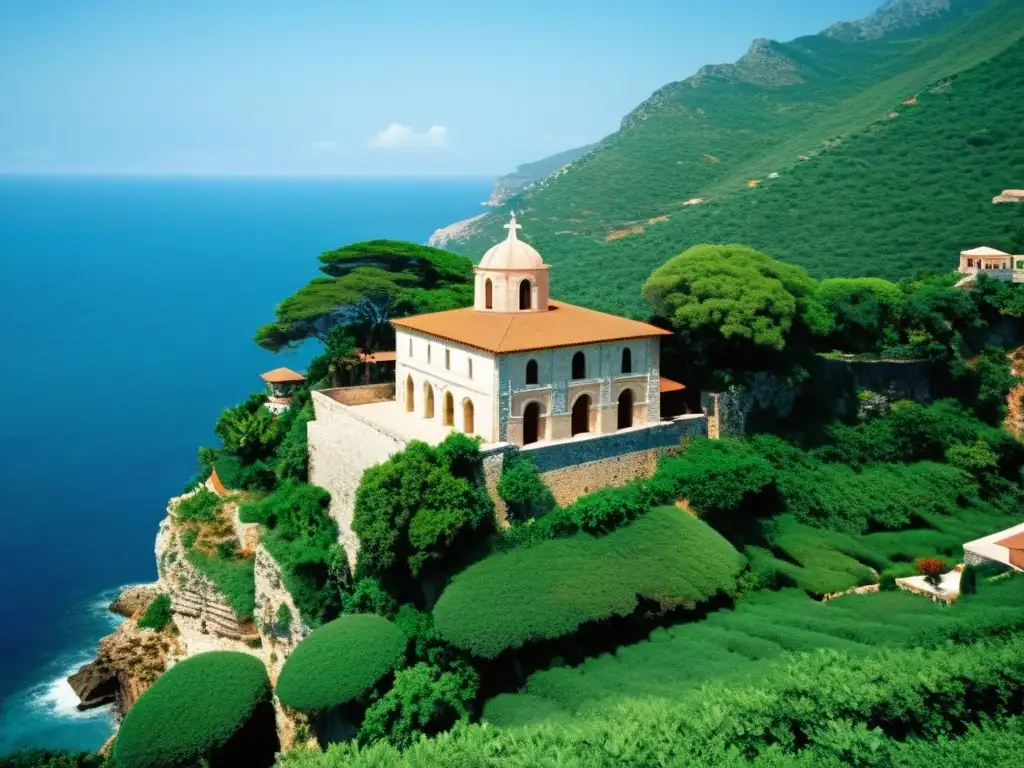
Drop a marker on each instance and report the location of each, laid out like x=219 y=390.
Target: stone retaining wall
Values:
x=271 y=594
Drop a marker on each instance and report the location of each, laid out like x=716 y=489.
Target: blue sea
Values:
x=127 y=309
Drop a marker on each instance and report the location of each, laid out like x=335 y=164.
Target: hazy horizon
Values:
x=111 y=87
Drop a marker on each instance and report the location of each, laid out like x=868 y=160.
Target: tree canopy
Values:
x=733 y=306
x=368 y=283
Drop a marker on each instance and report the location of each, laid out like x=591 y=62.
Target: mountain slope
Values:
x=619 y=212
x=528 y=173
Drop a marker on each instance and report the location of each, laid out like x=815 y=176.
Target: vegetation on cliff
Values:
x=887 y=187
x=211 y=707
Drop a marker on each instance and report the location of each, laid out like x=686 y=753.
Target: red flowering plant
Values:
x=932 y=569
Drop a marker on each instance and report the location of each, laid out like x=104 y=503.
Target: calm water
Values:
x=127 y=309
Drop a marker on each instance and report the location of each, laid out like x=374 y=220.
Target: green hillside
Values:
x=884 y=187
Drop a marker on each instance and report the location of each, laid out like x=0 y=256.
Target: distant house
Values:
x=1004 y=548
x=992 y=262
x=1009 y=196
x=281 y=384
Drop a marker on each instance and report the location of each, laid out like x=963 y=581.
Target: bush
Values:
x=550 y=589
x=932 y=569
x=369 y=597
x=422 y=700
x=609 y=508
x=339 y=662
x=49 y=758
x=193 y=711
x=157 y=614
x=188 y=538
x=202 y=507
x=522 y=489
x=969 y=580
x=283 y=619
x=258 y=476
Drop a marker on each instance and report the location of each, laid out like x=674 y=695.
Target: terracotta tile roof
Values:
x=282 y=376
x=384 y=356
x=1013 y=542
x=563 y=325
x=667 y=385
x=218 y=486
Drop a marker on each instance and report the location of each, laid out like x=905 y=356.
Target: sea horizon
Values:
x=130 y=312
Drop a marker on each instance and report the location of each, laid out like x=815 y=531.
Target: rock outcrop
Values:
x=128 y=662
x=133 y=600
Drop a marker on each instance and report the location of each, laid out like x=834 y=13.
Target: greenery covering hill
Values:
x=877 y=195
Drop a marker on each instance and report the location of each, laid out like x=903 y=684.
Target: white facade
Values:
x=444 y=374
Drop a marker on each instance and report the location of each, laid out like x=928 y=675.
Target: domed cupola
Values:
x=511 y=277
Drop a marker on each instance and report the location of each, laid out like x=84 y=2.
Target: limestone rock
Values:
x=95 y=684
x=133 y=600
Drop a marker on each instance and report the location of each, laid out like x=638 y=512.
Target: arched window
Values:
x=467 y=416
x=531 y=423
x=581 y=415
x=410 y=395
x=531 y=372
x=428 y=401
x=448 y=414
x=627 y=360
x=525 y=294
x=625 y=408
x=579 y=366
x=488 y=294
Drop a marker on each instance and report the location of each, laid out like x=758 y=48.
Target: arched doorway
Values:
x=488 y=294
x=525 y=294
x=531 y=423
x=625 y=408
x=428 y=400
x=581 y=415
x=448 y=414
x=467 y=416
x=410 y=395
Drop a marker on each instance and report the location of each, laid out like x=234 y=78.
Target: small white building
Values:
x=1004 y=547
x=992 y=262
x=519 y=367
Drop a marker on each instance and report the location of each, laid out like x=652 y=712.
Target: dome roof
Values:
x=512 y=253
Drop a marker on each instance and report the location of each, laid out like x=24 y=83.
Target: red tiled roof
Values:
x=563 y=325
x=385 y=356
x=667 y=385
x=282 y=376
x=218 y=486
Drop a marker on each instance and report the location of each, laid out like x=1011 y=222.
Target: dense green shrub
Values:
x=234 y=578
x=368 y=596
x=202 y=507
x=157 y=614
x=258 y=476
x=416 y=508
x=192 y=712
x=302 y=538
x=293 y=452
x=550 y=589
x=49 y=758
x=422 y=700
x=609 y=508
x=339 y=662
x=522 y=489
x=713 y=475
x=249 y=431
x=283 y=619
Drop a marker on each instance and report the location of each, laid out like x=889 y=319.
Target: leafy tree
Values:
x=861 y=307
x=994 y=380
x=369 y=597
x=293 y=451
x=932 y=569
x=368 y=283
x=735 y=308
x=413 y=509
x=423 y=700
x=976 y=458
x=522 y=489
x=338 y=364
x=249 y=431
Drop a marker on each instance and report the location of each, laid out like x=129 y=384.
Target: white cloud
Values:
x=396 y=135
x=325 y=146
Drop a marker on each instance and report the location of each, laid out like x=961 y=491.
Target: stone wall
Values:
x=342 y=445
x=572 y=468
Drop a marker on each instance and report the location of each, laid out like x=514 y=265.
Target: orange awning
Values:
x=667 y=385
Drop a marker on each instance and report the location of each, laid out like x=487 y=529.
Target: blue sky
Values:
x=350 y=86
